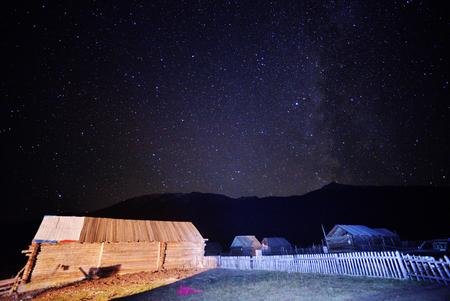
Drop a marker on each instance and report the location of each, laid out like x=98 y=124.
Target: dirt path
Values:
x=113 y=287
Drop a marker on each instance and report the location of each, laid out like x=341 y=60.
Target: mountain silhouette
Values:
x=414 y=212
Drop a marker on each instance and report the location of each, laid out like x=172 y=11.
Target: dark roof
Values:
x=386 y=232
x=276 y=242
x=246 y=241
x=360 y=230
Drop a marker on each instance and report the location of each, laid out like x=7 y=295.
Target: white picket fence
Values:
x=390 y=265
x=427 y=268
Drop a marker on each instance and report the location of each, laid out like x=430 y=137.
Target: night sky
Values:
x=102 y=102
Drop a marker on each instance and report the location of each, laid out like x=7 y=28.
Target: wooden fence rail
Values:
x=6 y=286
x=390 y=265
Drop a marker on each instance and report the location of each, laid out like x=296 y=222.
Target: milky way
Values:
x=103 y=101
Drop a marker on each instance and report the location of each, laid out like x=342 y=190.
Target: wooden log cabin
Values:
x=245 y=245
x=66 y=249
x=350 y=238
x=276 y=246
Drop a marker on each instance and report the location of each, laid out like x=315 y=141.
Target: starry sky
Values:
x=106 y=100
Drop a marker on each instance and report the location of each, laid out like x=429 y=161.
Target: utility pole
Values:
x=325 y=237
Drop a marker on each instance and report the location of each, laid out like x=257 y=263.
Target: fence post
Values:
x=440 y=271
x=402 y=266
x=374 y=264
x=413 y=265
x=444 y=266
x=429 y=262
x=383 y=264
x=393 y=266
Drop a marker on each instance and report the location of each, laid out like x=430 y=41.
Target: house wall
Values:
x=278 y=250
x=357 y=243
x=242 y=251
x=340 y=243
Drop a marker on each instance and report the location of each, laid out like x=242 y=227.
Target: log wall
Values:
x=58 y=264
x=183 y=255
x=132 y=256
x=64 y=261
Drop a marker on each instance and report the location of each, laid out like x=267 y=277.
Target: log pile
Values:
x=65 y=261
x=183 y=255
x=6 y=286
x=108 y=246
x=132 y=256
x=123 y=230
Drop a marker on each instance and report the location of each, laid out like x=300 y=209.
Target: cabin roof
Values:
x=385 y=232
x=93 y=229
x=246 y=241
x=360 y=230
x=275 y=242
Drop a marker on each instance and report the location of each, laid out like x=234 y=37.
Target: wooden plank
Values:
x=391 y=266
x=431 y=265
x=364 y=264
x=378 y=264
x=33 y=252
x=446 y=267
x=420 y=267
x=401 y=265
x=411 y=268
x=353 y=264
x=381 y=257
x=122 y=230
x=440 y=271
x=6 y=282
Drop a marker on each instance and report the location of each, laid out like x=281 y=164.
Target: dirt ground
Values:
x=111 y=287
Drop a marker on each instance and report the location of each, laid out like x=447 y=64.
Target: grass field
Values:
x=220 y=284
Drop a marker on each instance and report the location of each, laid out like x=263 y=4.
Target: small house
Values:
x=360 y=238
x=66 y=249
x=276 y=246
x=245 y=245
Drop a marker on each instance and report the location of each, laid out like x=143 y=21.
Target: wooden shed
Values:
x=245 y=245
x=360 y=238
x=276 y=246
x=71 y=248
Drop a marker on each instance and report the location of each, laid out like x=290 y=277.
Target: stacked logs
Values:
x=183 y=255
x=132 y=256
x=109 y=246
x=123 y=230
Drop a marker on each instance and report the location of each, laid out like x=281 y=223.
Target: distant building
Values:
x=245 y=245
x=276 y=246
x=360 y=238
x=441 y=245
x=435 y=245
